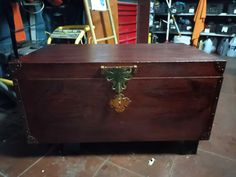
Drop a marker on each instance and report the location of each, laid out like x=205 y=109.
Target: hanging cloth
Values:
x=19 y=27
x=199 y=20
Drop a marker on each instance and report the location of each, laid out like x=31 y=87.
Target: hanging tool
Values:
x=173 y=17
x=168 y=21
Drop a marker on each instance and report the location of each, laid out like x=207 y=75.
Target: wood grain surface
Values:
x=77 y=110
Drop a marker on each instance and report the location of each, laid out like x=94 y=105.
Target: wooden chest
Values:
x=118 y=93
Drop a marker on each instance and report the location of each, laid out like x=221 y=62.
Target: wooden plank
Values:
x=102 y=23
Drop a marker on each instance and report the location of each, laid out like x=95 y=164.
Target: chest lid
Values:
x=139 y=53
x=152 y=60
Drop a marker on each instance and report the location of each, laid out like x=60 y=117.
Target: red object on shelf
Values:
x=127 y=18
x=56 y=2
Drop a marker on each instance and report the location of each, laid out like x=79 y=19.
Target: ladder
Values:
x=76 y=32
x=88 y=9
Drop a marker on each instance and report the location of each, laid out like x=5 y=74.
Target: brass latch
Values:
x=118 y=76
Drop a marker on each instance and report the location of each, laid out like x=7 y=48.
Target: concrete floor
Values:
x=215 y=158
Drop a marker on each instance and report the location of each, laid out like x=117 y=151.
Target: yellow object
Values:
x=118 y=76
x=6 y=81
x=76 y=32
x=149 y=38
x=199 y=19
x=120 y=103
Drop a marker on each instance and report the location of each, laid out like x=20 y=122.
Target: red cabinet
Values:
x=127 y=15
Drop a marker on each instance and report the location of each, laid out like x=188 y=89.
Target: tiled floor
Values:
x=215 y=158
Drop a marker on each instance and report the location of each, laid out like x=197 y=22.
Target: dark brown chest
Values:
x=119 y=93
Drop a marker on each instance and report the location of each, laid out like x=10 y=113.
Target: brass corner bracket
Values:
x=14 y=67
x=220 y=66
x=118 y=76
x=30 y=138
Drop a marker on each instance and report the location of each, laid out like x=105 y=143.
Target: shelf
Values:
x=159 y=32
x=184 y=32
x=217 y=35
x=202 y=34
x=209 y=15
x=181 y=14
x=222 y=15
